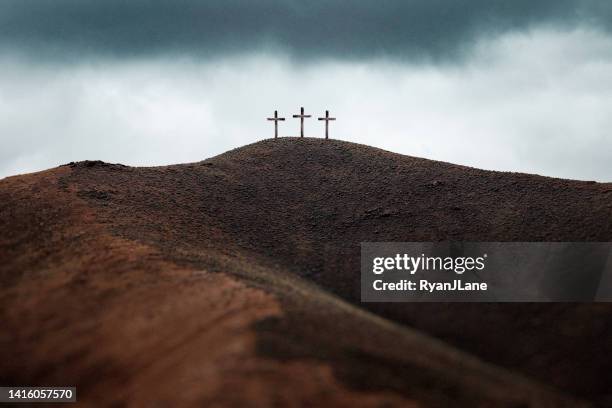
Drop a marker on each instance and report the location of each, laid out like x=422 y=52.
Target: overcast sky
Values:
x=507 y=85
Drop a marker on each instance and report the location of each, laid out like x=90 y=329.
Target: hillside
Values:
x=235 y=281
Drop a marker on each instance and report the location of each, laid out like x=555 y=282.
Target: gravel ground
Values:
x=235 y=281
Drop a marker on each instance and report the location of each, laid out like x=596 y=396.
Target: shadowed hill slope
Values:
x=116 y=276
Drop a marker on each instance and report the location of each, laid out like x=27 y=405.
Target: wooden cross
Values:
x=327 y=119
x=301 y=116
x=276 y=119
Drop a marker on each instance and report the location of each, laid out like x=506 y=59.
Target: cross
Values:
x=276 y=119
x=327 y=119
x=301 y=116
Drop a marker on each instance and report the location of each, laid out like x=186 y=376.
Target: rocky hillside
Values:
x=235 y=281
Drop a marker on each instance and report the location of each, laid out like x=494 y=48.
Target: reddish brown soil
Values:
x=234 y=282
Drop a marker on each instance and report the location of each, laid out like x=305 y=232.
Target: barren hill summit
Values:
x=242 y=272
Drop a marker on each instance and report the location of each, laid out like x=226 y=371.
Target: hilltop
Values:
x=235 y=280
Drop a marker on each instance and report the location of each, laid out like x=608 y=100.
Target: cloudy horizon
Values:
x=523 y=87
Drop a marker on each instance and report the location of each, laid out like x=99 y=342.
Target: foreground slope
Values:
x=235 y=280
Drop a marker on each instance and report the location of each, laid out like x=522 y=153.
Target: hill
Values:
x=235 y=281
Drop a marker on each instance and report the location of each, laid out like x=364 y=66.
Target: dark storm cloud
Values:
x=438 y=29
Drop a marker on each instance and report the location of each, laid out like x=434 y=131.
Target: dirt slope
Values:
x=235 y=281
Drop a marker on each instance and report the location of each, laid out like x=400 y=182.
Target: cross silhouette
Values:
x=327 y=119
x=301 y=116
x=276 y=119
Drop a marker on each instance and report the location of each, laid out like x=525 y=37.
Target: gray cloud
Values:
x=539 y=102
x=101 y=79
x=347 y=29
